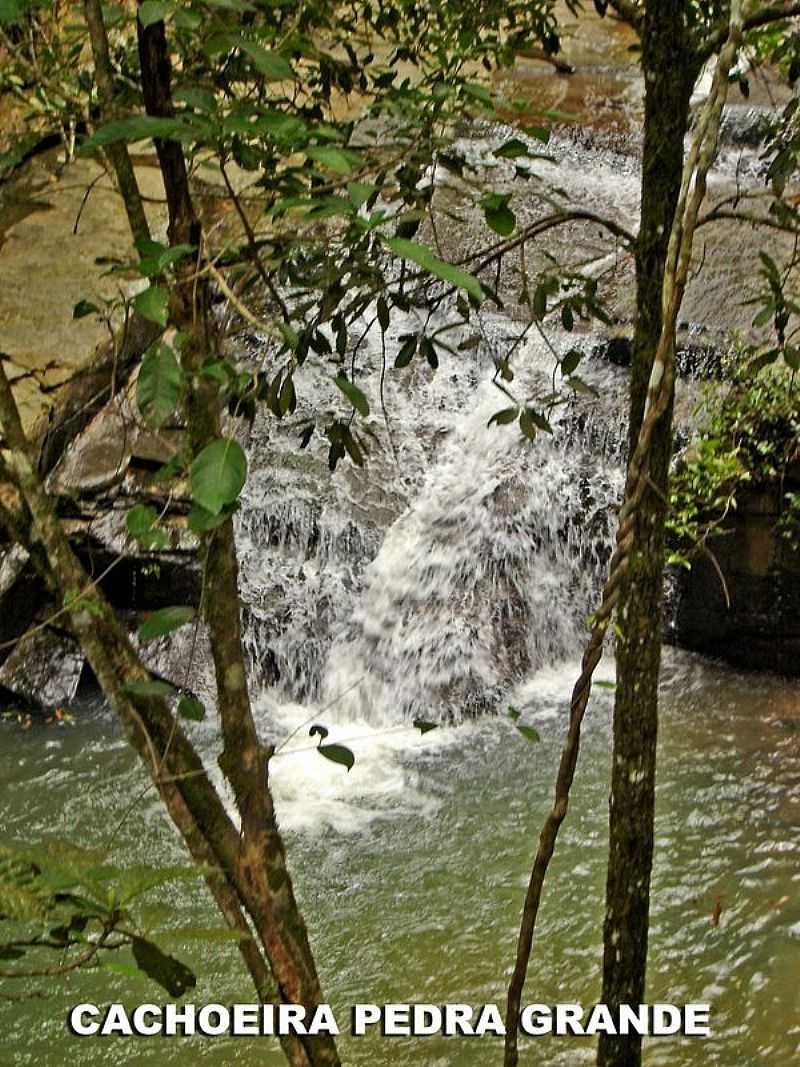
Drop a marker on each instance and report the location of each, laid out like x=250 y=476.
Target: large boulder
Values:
x=743 y=604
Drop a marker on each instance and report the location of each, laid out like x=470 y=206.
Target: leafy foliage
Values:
x=63 y=902
x=751 y=437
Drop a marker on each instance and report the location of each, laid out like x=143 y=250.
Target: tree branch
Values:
x=755 y=17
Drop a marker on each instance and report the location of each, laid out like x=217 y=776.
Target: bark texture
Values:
x=117 y=153
x=669 y=69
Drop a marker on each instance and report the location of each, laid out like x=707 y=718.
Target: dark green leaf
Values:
x=540 y=302
x=538 y=420
x=153 y=304
x=570 y=361
x=192 y=709
x=580 y=386
x=513 y=713
x=137 y=128
x=428 y=350
x=512 y=149
x=170 y=973
x=529 y=732
x=406 y=353
x=424 y=726
x=10 y=11
x=164 y=622
x=383 y=313
x=140 y=522
x=353 y=394
x=338 y=754
x=499 y=216
x=154 y=11
x=158 y=387
x=201 y=521
x=270 y=64
x=318 y=731
x=287 y=398
x=218 y=474
x=335 y=159
x=423 y=257
x=83 y=308
x=504 y=417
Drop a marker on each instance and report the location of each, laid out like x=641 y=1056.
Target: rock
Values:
x=44 y=668
x=753 y=620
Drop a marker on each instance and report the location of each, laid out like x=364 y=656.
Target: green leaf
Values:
x=513 y=713
x=499 y=216
x=10 y=11
x=170 y=973
x=423 y=257
x=529 y=732
x=270 y=64
x=570 y=362
x=154 y=11
x=318 y=731
x=383 y=313
x=360 y=192
x=353 y=394
x=580 y=386
x=136 y=128
x=602 y=684
x=334 y=159
x=158 y=387
x=338 y=754
x=504 y=417
x=428 y=350
x=540 y=302
x=424 y=726
x=192 y=709
x=196 y=97
x=201 y=521
x=512 y=149
x=541 y=133
x=164 y=622
x=140 y=519
x=538 y=420
x=153 y=304
x=218 y=474
x=140 y=522
x=84 y=308
x=406 y=353
x=152 y=688
x=527 y=425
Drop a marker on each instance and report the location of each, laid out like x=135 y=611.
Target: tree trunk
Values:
x=117 y=153
x=669 y=70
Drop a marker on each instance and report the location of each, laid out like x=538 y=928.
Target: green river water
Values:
x=412 y=871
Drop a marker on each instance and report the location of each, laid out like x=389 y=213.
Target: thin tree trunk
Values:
x=117 y=153
x=668 y=81
x=655 y=414
x=667 y=228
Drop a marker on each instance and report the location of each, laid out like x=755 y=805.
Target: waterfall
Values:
x=430 y=582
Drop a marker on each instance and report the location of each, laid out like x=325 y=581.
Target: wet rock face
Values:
x=757 y=625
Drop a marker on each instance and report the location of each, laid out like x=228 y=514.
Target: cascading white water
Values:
x=474 y=561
